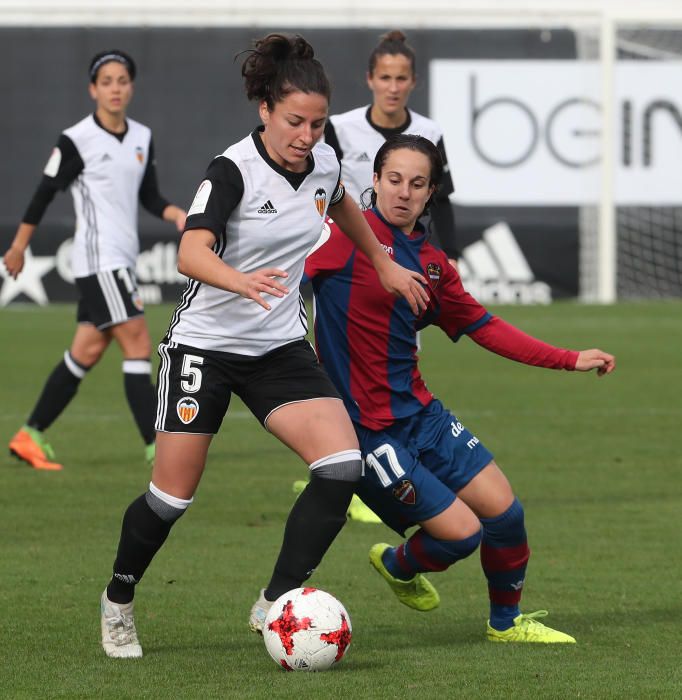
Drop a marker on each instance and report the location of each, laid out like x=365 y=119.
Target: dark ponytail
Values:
x=393 y=43
x=278 y=65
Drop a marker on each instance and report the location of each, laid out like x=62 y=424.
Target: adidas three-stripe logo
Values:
x=267 y=208
x=494 y=269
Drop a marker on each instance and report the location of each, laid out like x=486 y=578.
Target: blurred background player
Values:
x=107 y=160
x=254 y=218
x=357 y=135
x=422 y=466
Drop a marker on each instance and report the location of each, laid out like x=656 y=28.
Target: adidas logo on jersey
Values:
x=267 y=208
x=104 y=158
x=495 y=269
x=363 y=158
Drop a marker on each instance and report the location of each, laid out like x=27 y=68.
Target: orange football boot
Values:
x=29 y=446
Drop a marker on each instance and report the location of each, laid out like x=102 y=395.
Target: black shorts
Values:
x=195 y=386
x=108 y=298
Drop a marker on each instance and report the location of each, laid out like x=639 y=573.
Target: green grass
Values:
x=596 y=463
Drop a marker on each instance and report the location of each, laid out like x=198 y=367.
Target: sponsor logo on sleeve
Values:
x=53 y=163
x=201 y=198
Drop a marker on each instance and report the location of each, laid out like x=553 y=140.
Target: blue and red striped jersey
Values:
x=366 y=337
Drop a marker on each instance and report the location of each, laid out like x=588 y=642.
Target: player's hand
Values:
x=14 y=261
x=453 y=264
x=405 y=283
x=595 y=359
x=180 y=217
x=253 y=284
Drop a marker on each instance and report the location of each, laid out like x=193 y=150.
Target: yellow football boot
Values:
x=526 y=628
x=418 y=593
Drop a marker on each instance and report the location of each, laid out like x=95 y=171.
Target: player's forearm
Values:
x=502 y=338
x=23 y=236
x=197 y=260
x=350 y=220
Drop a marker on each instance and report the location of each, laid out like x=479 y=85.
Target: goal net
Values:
x=646 y=238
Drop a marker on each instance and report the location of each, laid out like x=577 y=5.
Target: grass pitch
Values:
x=596 y=463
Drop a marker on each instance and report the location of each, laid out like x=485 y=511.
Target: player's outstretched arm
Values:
x=197 y=260
x=393 y=277
x=595 y=359
x=14 y=257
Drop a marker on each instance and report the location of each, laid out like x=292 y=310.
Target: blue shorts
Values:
x=414 y=468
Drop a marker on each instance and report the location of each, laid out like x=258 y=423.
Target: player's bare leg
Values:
x=321 y=433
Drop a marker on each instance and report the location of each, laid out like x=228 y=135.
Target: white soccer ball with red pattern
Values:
x=307 y=630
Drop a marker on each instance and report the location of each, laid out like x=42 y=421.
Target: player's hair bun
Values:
x=394 y=35
x=280 y=64
x=392 y=43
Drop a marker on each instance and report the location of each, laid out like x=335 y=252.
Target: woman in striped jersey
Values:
x=422 y=466
x=107 y=160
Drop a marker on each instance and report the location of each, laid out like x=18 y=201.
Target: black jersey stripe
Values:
x=302 y=313
x=162 y=386
x=193 y=287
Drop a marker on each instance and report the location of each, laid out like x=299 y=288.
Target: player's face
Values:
x=391 y=82
x=404 y=187
x=113 y=88
x=293 y=127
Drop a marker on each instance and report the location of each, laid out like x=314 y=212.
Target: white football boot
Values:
x=258 y=613
x=119 y=637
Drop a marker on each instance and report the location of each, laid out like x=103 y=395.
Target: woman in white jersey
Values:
x=107 y=160
x=241 y=325
x=357 y=135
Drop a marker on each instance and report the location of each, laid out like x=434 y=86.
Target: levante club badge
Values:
x=405 y=492
x=434 y=271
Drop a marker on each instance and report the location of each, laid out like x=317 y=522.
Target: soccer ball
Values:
x=307 y=630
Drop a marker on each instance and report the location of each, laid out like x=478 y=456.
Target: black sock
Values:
x=61 y=386
x=142 y=534
x=314 y=521
x=141 y=396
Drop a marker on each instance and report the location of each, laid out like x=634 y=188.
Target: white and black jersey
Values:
x=356 y=140
x=262 y=215
x=107 y=174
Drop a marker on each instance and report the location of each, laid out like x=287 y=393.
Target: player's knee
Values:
x=340 y=466
x=168 y=508
x=509 y=525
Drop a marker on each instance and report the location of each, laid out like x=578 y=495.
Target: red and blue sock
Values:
x=504 y=556
x=422 y=553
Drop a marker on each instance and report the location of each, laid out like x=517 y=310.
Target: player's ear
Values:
x=92 y=89
x=368 y=77
x=264 y=112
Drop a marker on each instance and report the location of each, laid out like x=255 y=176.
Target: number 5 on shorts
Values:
x=193 y=384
